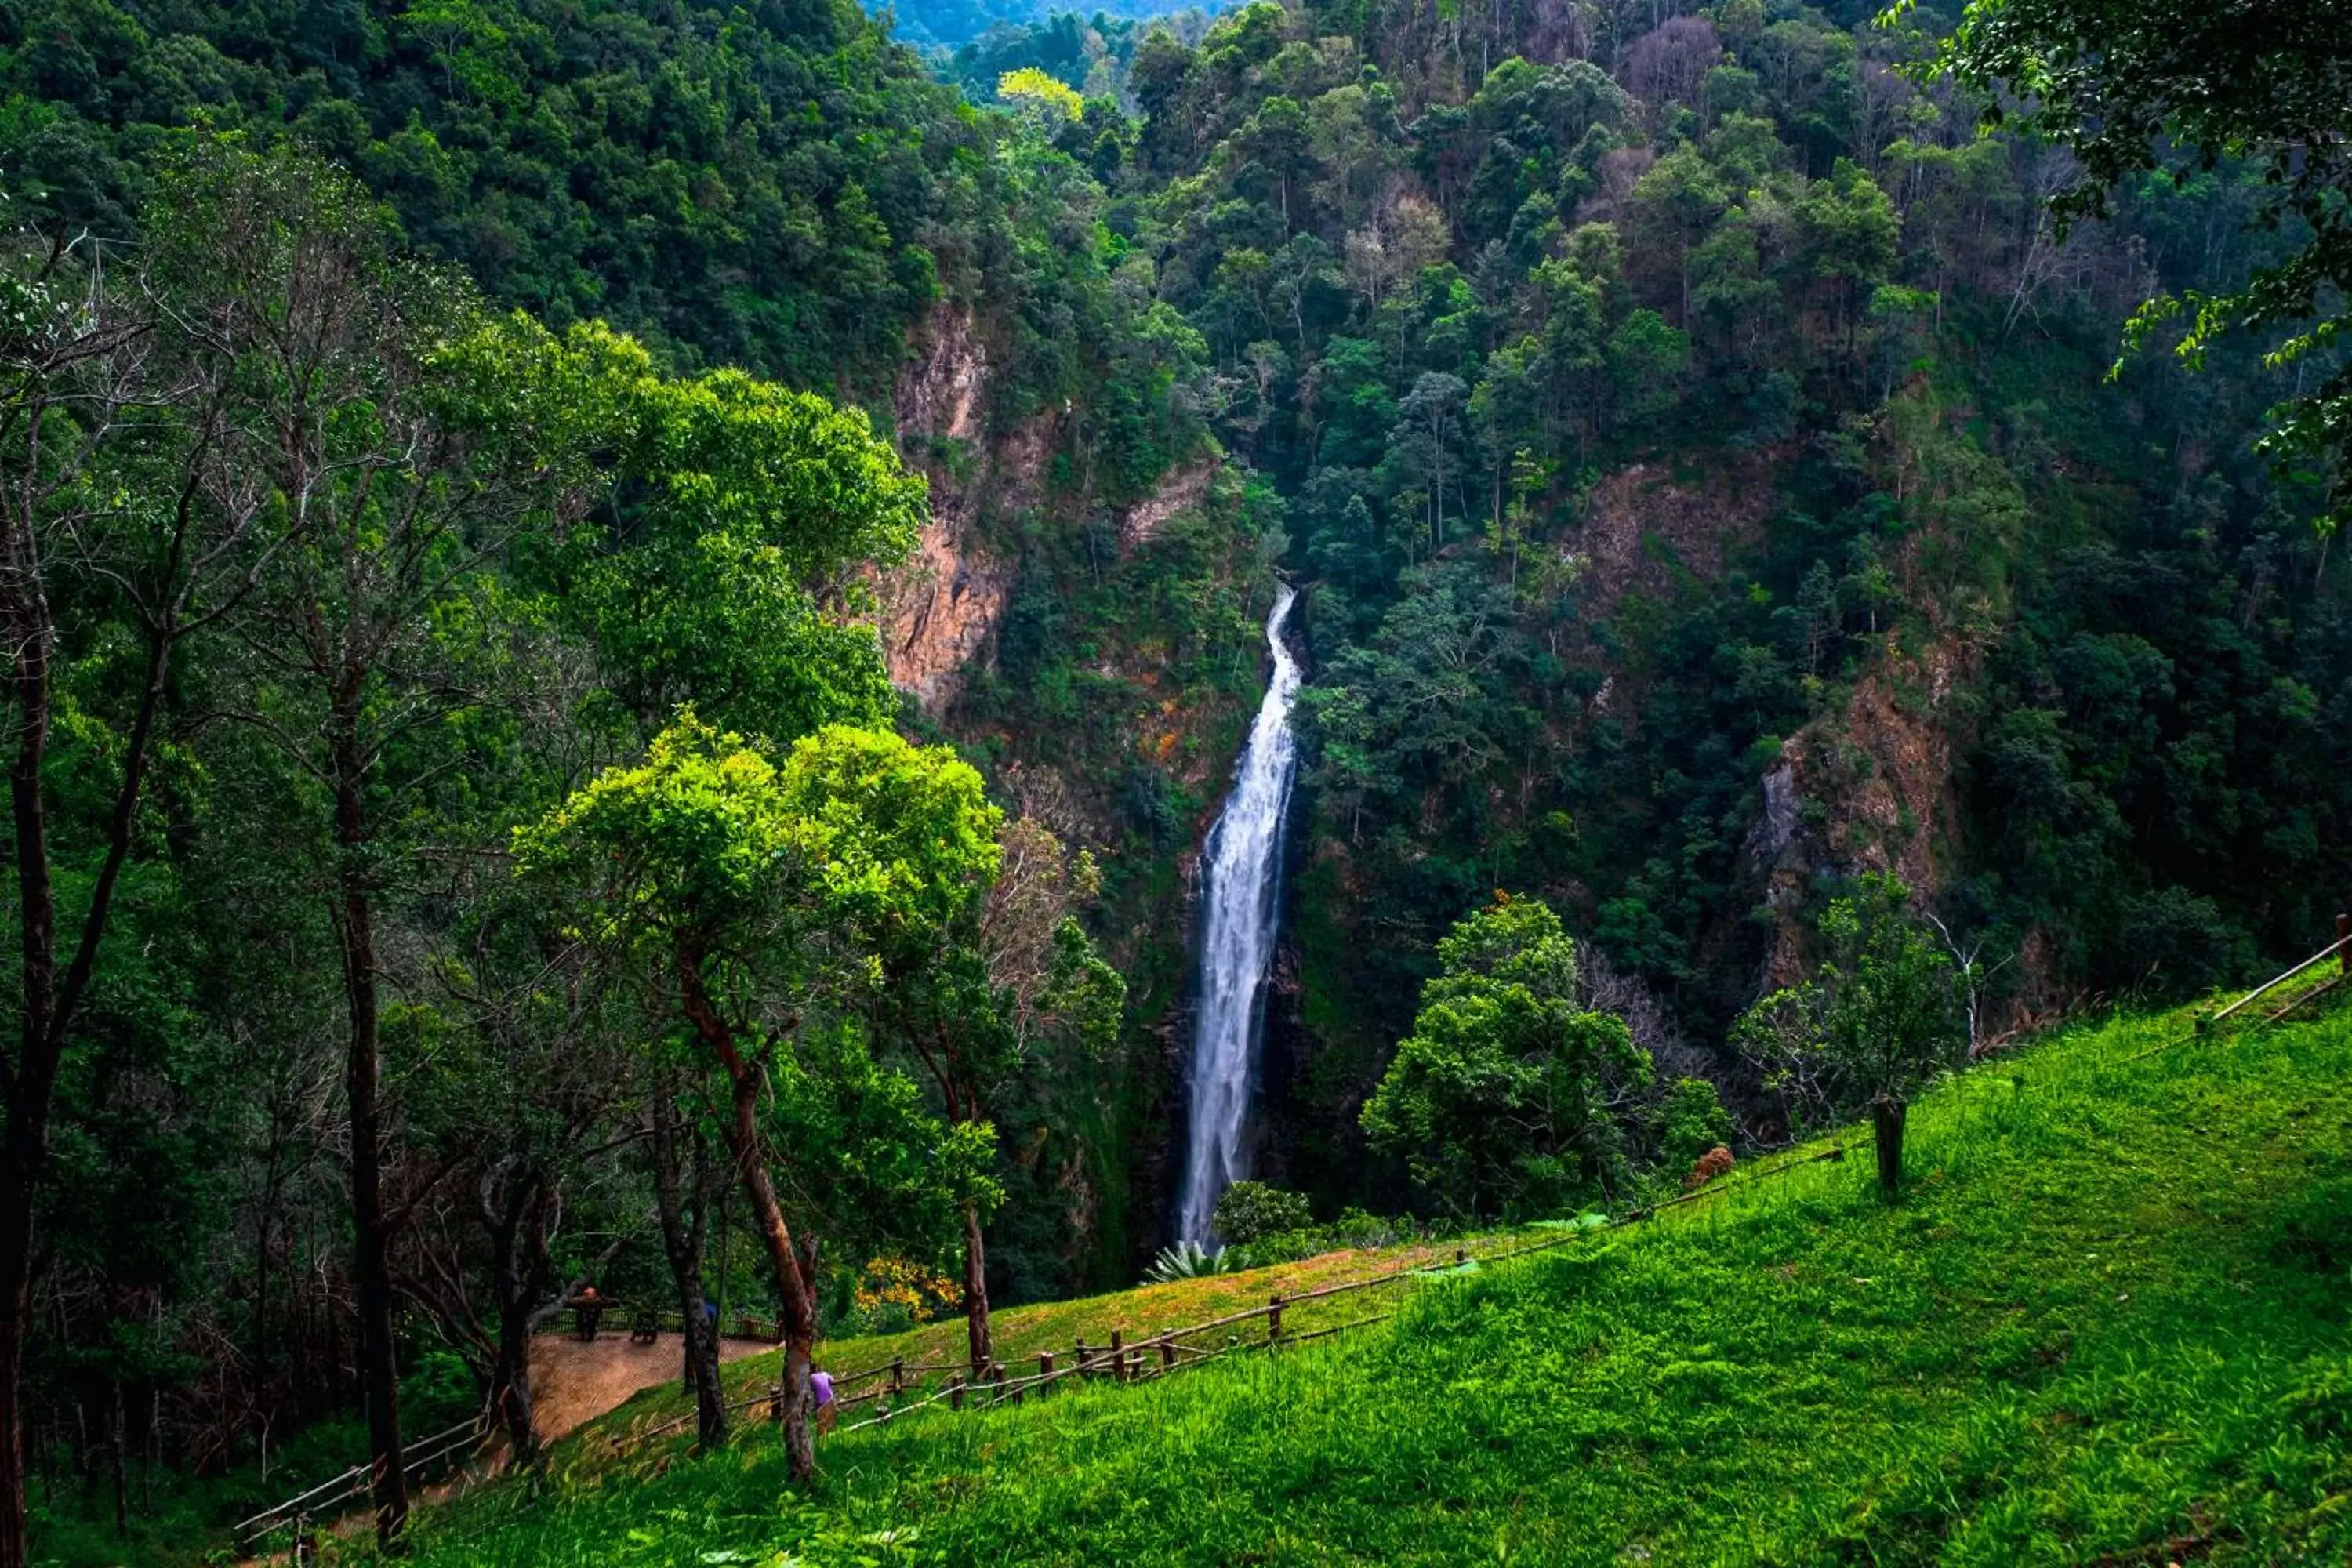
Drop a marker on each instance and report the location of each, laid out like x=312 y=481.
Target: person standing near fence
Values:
x=820 y=1389
x=588 y=1306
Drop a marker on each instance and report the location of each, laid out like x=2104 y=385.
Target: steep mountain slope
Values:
x=2104 y=1323
x=1691 y=438
x=1698 y=450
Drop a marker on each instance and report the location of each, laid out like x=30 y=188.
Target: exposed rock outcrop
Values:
x=940 y=609
x=940 y=395
x=1880 y=775
x=1180 y=490
x=1641 y=525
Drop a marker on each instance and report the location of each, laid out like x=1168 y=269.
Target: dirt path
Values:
x=572 y=1384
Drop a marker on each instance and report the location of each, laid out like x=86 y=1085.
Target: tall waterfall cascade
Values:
x=1242 y=884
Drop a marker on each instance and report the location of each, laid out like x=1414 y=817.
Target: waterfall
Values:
x=1240 y=881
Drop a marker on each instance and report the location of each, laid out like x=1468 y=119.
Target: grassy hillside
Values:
x=2106 y=1323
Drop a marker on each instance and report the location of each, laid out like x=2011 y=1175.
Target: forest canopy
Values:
x=625 y=620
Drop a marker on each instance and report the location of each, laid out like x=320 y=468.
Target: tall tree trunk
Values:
x=116 y=1441
x=513 y=1382
x=261 y=1287
x=518 y=1253
x=682 y=1244
x=45 y=1006
x=726 y=1196
x=975 y=1293
x=35 y=1069
x=27 y=1142
x=794 y=1289
x=363 y=1073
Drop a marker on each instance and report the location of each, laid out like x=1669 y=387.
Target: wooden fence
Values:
x=330 y=1498
x=900 y=1388
x=2340 y=950
x=619 y=1318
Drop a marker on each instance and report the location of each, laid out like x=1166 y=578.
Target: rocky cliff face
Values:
x=1180 y=490
x=942 y=607
x=1867 y=785
x=1644 y=525
x=1115 y=725
x=1869 y=788
x=939 y=610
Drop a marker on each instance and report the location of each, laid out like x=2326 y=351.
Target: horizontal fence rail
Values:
x=616 y=1319
x=901 y=1388
x=335 y=1496
x=2340 y=950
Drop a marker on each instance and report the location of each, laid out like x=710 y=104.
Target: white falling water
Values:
x=1241 y=882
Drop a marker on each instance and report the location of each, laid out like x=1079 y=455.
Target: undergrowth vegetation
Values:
x=2105 y=1321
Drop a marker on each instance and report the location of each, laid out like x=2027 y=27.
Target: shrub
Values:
x=1353 y=1228
x=1691 y=1120
x=1250 y=1211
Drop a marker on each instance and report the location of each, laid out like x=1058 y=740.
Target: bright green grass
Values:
x=2106 y=1322
x=1019 y=1333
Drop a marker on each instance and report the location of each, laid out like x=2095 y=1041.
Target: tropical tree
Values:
x=530 y=1079
x=718 y=576
x=73 y=352
x=1876 y=1021
x=1501 y=1099
x=2177 y=87
x=1011 y=980
x=1045 y=99
x=1426 y=448
x=408 y=436
x=754 y=889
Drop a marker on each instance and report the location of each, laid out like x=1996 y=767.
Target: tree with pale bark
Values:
x=755 y=891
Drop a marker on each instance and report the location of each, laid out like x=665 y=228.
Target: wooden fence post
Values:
x=1045 y=1372
x=1080 y=1357
x=1886 y=1115
x=1166 y=1352
x=1274 y=1318
x=776 y=1400
x=955 y=1391
x=1117 y=1356
x=898 y=1373
x=996 y=1375
x=376 y=1489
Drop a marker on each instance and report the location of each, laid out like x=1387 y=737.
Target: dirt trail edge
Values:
x=572 y=1384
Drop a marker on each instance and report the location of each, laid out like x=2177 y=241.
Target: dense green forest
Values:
x=1700 y=451
x=627 y=619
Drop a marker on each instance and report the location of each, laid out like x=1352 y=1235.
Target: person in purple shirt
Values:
x=821 y=1385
